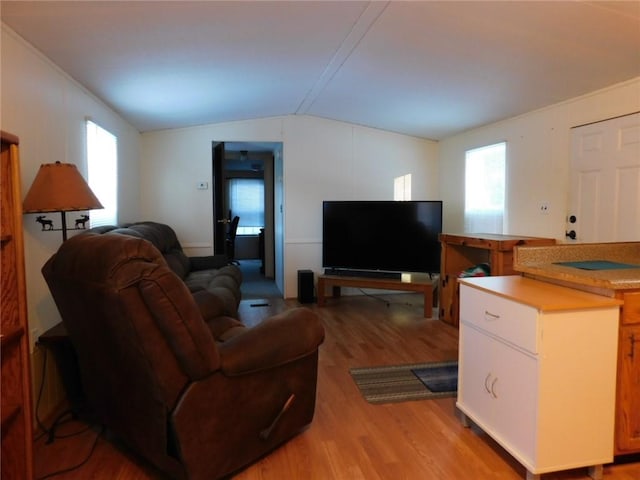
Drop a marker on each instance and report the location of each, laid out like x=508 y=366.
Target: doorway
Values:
x=605 y=181
x=238 y=167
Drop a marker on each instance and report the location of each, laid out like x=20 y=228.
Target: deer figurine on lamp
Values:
x=59 y=187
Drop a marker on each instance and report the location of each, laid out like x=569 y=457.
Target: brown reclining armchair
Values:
x=198 y=397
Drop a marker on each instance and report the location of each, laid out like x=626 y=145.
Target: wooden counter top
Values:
x=541 y=262
x=543 y=296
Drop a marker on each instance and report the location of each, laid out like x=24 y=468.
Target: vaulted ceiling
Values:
x=423 y=68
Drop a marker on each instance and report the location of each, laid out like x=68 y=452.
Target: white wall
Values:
x=327 y=160
x=323 y=160
x=46 y=109
x=172 y=162
x=538 y=159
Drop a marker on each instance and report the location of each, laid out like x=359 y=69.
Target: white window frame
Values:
x=102 y=167
x=245 y=226
x=485 y=189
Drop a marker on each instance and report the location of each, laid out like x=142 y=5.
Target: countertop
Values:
x=540 y=295
x=541 y=262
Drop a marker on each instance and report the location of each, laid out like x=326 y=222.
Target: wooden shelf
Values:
x=9 y=413
x=16 y=406
x=10 y=335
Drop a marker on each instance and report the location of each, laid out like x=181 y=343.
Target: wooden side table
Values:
x=57 y=341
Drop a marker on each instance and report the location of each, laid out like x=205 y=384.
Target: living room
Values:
x=322 y=159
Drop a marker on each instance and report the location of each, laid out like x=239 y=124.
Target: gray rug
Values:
x=401 y=383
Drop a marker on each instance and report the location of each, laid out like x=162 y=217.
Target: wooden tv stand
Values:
x=422 y=283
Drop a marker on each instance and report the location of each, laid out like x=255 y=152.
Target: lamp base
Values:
x=47 y=225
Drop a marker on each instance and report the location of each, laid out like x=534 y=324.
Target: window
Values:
x=485 y=189
x=246 y=200
x=402 y=187
x=102 y=161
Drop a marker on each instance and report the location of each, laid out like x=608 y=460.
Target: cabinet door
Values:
x=498 y=390
x=628 y=414
x=474 y=387
x=515 y=393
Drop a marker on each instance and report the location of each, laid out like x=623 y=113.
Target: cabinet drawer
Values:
x=511 y=321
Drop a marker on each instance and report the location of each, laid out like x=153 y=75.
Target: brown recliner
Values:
x=198 y=397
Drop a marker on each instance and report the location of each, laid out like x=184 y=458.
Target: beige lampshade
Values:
x=59 y=187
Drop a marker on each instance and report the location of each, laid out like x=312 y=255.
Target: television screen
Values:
x=390 y=236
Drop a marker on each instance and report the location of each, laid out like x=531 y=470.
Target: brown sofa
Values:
x=197 y=394
x=212 y=273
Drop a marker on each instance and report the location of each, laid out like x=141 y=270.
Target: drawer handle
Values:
x=486 y=383
x=632 y=340
x=490 y=316
x=493 y=388
x=490 y=388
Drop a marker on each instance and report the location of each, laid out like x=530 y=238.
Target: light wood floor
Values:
x=349 y=438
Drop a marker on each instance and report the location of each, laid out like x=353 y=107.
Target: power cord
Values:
x=375 y=297
x=83 y=462
x=385 y=301
x=51 y=431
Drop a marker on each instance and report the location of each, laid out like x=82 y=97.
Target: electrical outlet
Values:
x=543 y=208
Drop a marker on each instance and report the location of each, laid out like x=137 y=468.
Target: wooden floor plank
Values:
x=349 y=438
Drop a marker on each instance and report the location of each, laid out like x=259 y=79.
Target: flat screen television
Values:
x=381 y=236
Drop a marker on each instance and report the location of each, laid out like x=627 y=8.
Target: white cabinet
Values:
x=537 y=371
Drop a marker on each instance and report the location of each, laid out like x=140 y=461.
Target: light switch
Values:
x=203 y=185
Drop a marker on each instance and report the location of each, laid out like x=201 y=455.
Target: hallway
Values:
x=254 y=284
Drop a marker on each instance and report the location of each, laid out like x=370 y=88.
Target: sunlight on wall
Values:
x=402 y=187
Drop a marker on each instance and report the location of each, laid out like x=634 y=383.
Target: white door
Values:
x=605 y=181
